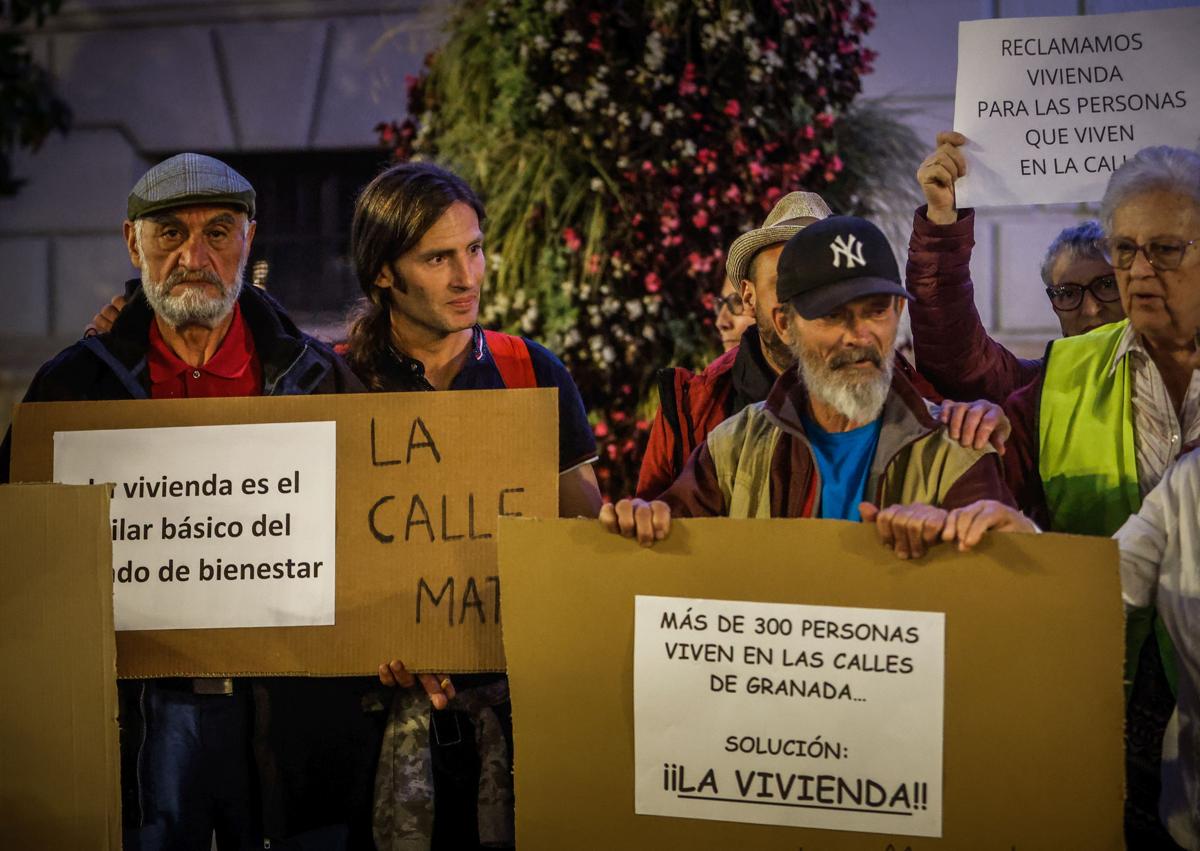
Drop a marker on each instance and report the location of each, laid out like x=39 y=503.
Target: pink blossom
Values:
x=571 y=239
x=836 y=164
x=700 y=218
x=601 y=430
x=687 y=85
x=809 y=132
x=593 y=264
x=653 y=282
x=734 y=193
x=733 y=109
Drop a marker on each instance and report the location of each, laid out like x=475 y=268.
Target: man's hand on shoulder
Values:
x=103 y=321
x=976 y=424
x=937 y=175
x=636 y=518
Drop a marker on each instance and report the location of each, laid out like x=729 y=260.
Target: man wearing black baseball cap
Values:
x=843 y=435
x=191 y=329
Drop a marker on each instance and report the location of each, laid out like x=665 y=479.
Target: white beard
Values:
x=857 y=397
x=189 y=305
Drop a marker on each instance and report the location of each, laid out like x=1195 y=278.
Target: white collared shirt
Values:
x=1160 y=566
x=1158 y=434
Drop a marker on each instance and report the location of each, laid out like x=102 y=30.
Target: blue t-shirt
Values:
x=844 y=461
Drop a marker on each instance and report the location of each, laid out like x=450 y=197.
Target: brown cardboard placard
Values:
x=1033 y=667
x=492 y=445
x=59 y=785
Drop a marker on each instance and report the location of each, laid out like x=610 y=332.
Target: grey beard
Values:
x=858 y=398
x=191 y=306
x=774 y=347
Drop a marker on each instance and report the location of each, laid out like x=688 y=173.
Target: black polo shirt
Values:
x=576 y=443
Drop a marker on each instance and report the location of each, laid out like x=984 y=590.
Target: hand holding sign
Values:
x=636 y=518
x=437 y=686
x=938 y=174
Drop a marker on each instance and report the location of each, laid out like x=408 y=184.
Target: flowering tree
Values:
x=620 y=147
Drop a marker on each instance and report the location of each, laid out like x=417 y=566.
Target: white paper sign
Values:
x=1052 y=106
x=809 y=716
x=215 y=526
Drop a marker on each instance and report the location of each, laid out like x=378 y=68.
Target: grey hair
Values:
x=1078 y=241
x=1158 y=168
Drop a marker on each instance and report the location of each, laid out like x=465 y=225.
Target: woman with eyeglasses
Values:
x=1080 y=282
x=731 y=317
x=1112 y=410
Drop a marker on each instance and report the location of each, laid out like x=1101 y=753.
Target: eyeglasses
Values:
x=733 y=302
x=1067 y=297
x=1163 y=253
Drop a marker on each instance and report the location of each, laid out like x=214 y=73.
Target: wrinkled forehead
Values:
x=1158 y=211
x=872 y=302
x=192 y=215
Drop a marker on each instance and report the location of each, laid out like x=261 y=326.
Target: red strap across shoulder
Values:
x=512 y=359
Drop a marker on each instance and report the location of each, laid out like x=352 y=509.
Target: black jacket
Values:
x=113 y=365
x=316 y=741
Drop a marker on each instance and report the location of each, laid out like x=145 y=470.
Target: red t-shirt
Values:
x=234 y=370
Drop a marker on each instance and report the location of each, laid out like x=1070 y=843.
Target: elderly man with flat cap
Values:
x=844 y=434
x=192 y=329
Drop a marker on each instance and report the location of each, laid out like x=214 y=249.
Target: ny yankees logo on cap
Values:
x=817 y=284
x=851 y=249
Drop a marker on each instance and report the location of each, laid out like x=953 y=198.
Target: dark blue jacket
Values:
x=301 y=791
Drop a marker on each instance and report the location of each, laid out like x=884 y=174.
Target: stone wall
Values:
x=146 y=79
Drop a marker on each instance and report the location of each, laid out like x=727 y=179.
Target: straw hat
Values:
x=791 y=215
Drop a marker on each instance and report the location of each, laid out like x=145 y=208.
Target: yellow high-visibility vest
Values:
x=1087 y=459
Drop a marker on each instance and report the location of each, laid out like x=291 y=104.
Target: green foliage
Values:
x=621 y=146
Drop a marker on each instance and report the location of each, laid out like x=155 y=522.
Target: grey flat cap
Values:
x=189 y=179
x=791 y=214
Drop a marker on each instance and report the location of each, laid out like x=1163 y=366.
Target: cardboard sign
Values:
x=1052 y=106
x=421 y=479
x=238 y=530
x=811 y=716
x=1034 y=654
x=59 y=785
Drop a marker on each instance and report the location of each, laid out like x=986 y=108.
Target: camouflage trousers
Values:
x=404 y=799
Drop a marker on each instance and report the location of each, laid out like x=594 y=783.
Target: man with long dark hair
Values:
x=417 y=248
